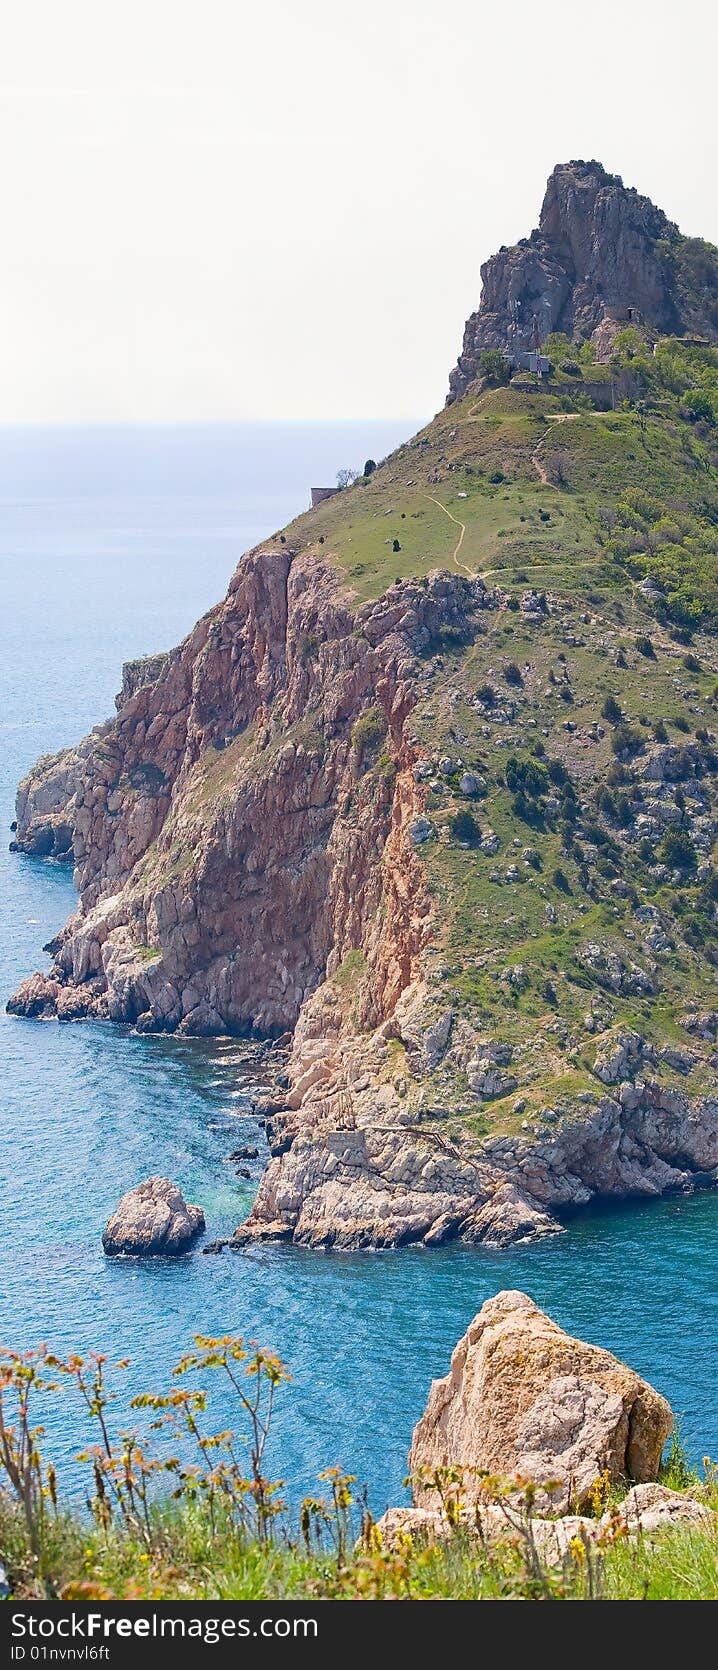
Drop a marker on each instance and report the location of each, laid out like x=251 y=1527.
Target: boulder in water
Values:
x=153 y=1220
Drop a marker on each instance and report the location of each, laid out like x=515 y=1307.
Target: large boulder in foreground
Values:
x=153 y=1220
x=522 y=1398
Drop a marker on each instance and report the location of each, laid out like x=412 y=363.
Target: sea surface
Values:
x=112 y=542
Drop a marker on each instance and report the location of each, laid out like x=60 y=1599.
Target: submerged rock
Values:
x=523 y=1399
x=153 y=1220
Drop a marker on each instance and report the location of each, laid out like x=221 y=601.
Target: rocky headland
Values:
x=433 y=790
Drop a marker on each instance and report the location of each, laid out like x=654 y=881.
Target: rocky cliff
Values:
x=434 y=790
x=241 y=828
x=602 y=257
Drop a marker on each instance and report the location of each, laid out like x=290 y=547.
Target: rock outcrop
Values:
x=45 y=803
x=353 y=1165
x=645 y=1510
x=524 y=1400
x=245 y=855
x=602 y=257
x=246 y=759
x=153 y=1220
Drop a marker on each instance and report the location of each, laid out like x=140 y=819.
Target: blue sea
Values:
x=112 y=542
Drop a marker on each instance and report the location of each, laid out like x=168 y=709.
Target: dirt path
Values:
x=551 y=417
x=460 y=541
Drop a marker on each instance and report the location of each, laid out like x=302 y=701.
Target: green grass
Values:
x=173 y=1509
x=189 y=1560
x=479 y=458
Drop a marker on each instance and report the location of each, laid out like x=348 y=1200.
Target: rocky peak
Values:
x=602 y=257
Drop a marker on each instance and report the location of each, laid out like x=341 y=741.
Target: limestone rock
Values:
x=523 y=1399
x=646 y=1508
x=595 y=263
x=650 y=1507
x=619 y=1056
x=45 y=802
x=507 y=1218
x=485 y=1079
x=145 y=669
x=153 y=1220
x=424 y=1030
x=36 y=998
x=421 y=829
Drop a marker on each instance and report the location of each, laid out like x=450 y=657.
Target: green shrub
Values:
x=369 y=731
x=494 y=366
x=699 y=406
x=677 y=850
x=612 y=711
x=527 y=777
x=464 y=827
x=627 y=740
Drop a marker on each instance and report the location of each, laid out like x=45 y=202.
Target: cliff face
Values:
x=601 y=258
x=241 y=826
x=250 y=837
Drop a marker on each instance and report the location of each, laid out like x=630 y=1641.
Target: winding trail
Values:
x=460 y=540
x=551 y=417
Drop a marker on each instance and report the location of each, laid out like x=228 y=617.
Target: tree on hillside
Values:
x=494 y=367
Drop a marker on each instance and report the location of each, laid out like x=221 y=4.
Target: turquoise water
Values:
x=111 y=543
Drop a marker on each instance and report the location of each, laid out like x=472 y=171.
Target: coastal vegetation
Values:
x=175 y=1509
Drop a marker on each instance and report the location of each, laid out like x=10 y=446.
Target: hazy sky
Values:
x=219 y=210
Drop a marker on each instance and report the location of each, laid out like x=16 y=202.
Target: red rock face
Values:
x=601 y=254
x=234 y=835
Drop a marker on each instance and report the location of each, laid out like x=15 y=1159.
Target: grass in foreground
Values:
x=187 y=1560
x=192 y=1523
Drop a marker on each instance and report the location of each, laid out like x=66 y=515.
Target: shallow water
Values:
x=111 y=543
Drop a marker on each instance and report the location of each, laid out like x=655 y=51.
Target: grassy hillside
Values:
x=575 y=882
x=186 y=1560
x=547 y=485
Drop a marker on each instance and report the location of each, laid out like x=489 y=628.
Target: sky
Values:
x=214 y=210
